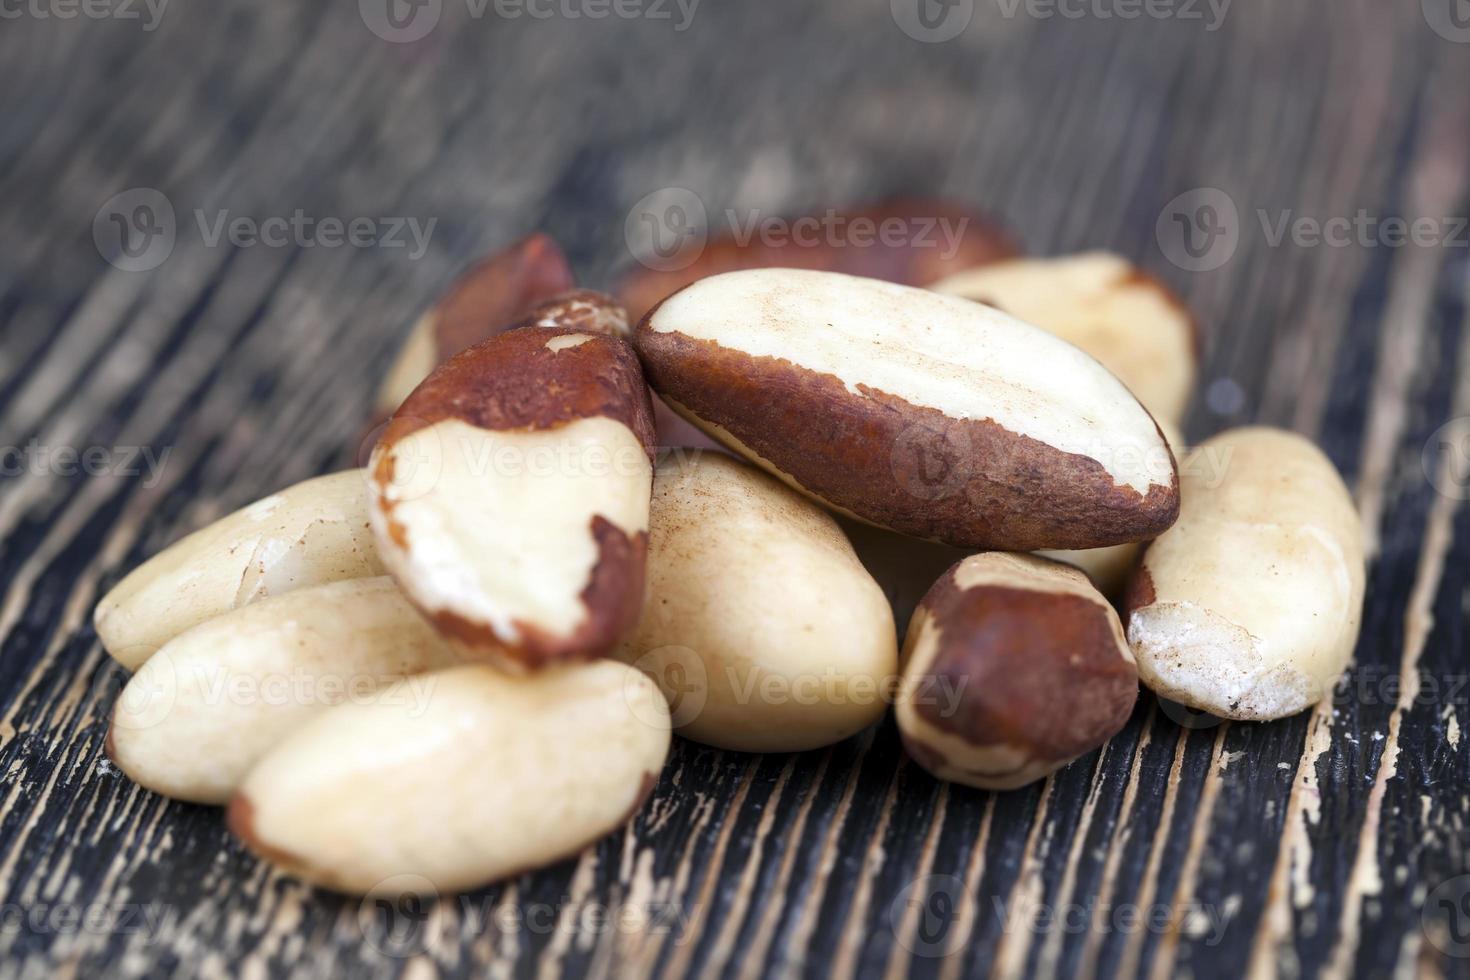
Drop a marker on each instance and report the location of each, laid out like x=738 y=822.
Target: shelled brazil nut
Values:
x=497 y=291
x=509 y=495
x=1130 y=321
x=488 y=776
x=1013 y=667
x=217 y=697
x=308 y=534
x=1249 y=607
x=759 y=622
x=923 y=413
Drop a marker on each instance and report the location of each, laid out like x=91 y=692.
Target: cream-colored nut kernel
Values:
x=493 y=775
x=217 y=697
x=759 y=623
x=923 y=413
x=1107 y=306
x=309 y=534
x=510 y=496
x=1014 y=666
x=1249 y=607
x=1109 y=568
x=491 y=296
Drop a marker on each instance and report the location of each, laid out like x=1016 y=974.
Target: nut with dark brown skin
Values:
x=509 y=495
x=492 y=295
x=1013 y=667
x=922 y=255
x=926 y=414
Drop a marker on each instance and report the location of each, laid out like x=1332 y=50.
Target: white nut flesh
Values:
x=1249 y=607
x=309 y=534
x=759 y=622
x=491 y=776
x=217 y=697
x=1109 y=308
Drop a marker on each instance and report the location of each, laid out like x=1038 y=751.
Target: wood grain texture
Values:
x=1308 y=847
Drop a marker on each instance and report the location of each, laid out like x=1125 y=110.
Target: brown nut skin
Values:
x=720 y=352
x=981 y=242
x=492 y=295
x=1014 y=666
x=531 y=394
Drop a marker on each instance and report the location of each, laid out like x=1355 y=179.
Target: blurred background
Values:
x=218 y=221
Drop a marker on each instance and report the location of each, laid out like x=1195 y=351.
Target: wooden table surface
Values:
x=203 y=374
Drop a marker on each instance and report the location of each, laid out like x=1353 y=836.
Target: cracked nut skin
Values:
x=308 y=534
x=509 y=496
x=217 y=697
x=484 y=777
x=498 y=291
x=1127 y=319
x=759 y=622
x=1014 y=666
x=921 y=256
x=1249 y=607
x=925 y=414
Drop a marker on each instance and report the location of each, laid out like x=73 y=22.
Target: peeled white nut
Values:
x=309 y=534
x=493 y=775
x=1107 y=306
x=510 y=496
x=1249 y=607
x=1014 y=666
x=217 y=697
x=759 y=622
x=1109 y=568
x=922 y=413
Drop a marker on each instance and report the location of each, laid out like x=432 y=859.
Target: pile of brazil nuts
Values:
x=581 y=532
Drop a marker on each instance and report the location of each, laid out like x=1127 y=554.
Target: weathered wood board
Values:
x=1330 y=844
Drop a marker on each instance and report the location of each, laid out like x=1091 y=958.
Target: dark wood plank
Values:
x=1312 y=846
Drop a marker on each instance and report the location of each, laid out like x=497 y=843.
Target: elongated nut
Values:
x=759 y=622
x=217 y=697
x=926 y=414
x=491 y=776
x=1109 y=568
x=495 y=293
x=912 y=241
x=1014 y=666
x=1249 y=607
x=510 y=495
x=1130 y=321
x=309 y=534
